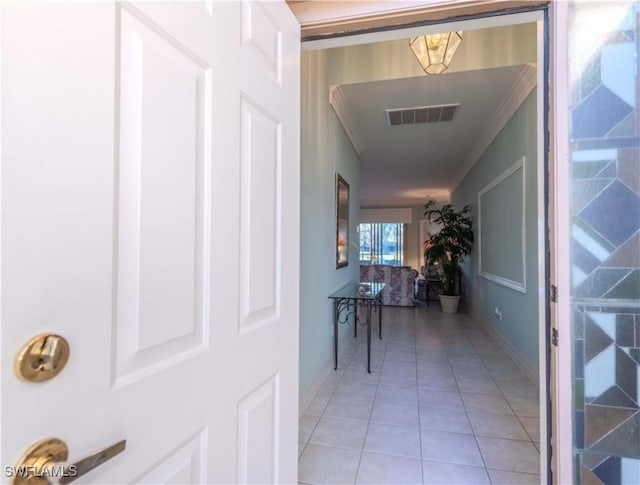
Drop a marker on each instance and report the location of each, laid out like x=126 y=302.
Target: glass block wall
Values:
x=605 y=164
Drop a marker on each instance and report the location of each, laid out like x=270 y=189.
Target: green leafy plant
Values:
x=451 y=244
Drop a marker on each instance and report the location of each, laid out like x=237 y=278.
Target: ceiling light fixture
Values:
x=435 y=51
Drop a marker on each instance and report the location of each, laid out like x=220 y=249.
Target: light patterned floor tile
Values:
x=392 y=369
x=441 y=383
x=510 y=455
x=339 y=433
x=438 y=398
x=393 y=440
x=306 y=425
x=408 y=356
x=501 y=477
x=485 y=403
x=398 y=414
x=518 y=388
x=478 y=385
x=320 y=464
x=532 y=427
x=450 y=448
x=444 y=419
x=362 y=390
x=435 y=473
x=524 y=406
x=348 y=407
x=397 y=394
x=399 y=381
x=474 y=371
x=319 y=403
x=434 y=370
x=377 y=469
x=401 y=347
x=443 y=404
x=497 y=426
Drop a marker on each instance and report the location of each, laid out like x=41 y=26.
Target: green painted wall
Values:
x=519 y=325
x=325 y=150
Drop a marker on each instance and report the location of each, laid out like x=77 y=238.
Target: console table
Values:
x=354 y=294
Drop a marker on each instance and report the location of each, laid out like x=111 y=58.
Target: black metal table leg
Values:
x=380 y=319
x=369 y=302
x=356 y=319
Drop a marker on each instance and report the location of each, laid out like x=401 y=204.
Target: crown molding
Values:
x=340 y=105
x=520 y=90
x=325 y=18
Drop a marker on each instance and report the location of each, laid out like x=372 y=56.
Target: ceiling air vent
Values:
x=423 y=114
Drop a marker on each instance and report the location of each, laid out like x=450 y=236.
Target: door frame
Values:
x=560 y=242
x=552 y=174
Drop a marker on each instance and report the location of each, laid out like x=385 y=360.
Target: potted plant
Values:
x=449 y=247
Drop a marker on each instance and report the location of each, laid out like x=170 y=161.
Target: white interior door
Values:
x=149 y=196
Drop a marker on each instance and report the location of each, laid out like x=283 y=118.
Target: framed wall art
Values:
x=342 y=222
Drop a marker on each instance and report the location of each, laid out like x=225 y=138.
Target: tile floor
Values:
x=444 y=404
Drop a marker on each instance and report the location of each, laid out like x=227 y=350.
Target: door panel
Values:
x=186 y=464
x=263 y=38
x=260 y=208
x=258 y=434
x=161 y=294
x=150 y=215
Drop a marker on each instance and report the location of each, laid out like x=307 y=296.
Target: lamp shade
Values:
x=435 y=51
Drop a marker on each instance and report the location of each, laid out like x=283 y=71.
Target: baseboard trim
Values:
x=314 y=386
x=530 y=371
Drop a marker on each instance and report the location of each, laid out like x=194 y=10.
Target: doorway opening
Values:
x=494 y=168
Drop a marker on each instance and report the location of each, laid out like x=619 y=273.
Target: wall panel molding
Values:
x=484 y=269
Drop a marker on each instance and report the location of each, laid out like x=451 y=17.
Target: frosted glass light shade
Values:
x=434 y=52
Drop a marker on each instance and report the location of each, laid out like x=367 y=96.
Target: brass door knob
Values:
x=42 y=358
x=38 y=463
x=43 y=462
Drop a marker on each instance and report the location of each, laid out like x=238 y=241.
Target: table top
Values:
x=363 y=290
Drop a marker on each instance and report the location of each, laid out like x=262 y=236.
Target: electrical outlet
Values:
x=498 y=313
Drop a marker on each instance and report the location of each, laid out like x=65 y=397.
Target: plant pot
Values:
x=449 y=304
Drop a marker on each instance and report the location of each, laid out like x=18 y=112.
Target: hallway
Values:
x=443 y=404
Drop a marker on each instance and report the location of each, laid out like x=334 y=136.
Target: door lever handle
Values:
x=90 y=462
x=43 y=461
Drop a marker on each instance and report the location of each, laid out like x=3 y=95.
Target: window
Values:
x=382 y=244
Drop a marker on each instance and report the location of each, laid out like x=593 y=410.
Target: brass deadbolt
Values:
x=42 y=358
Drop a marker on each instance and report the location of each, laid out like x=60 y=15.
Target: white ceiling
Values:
x=405 y=165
